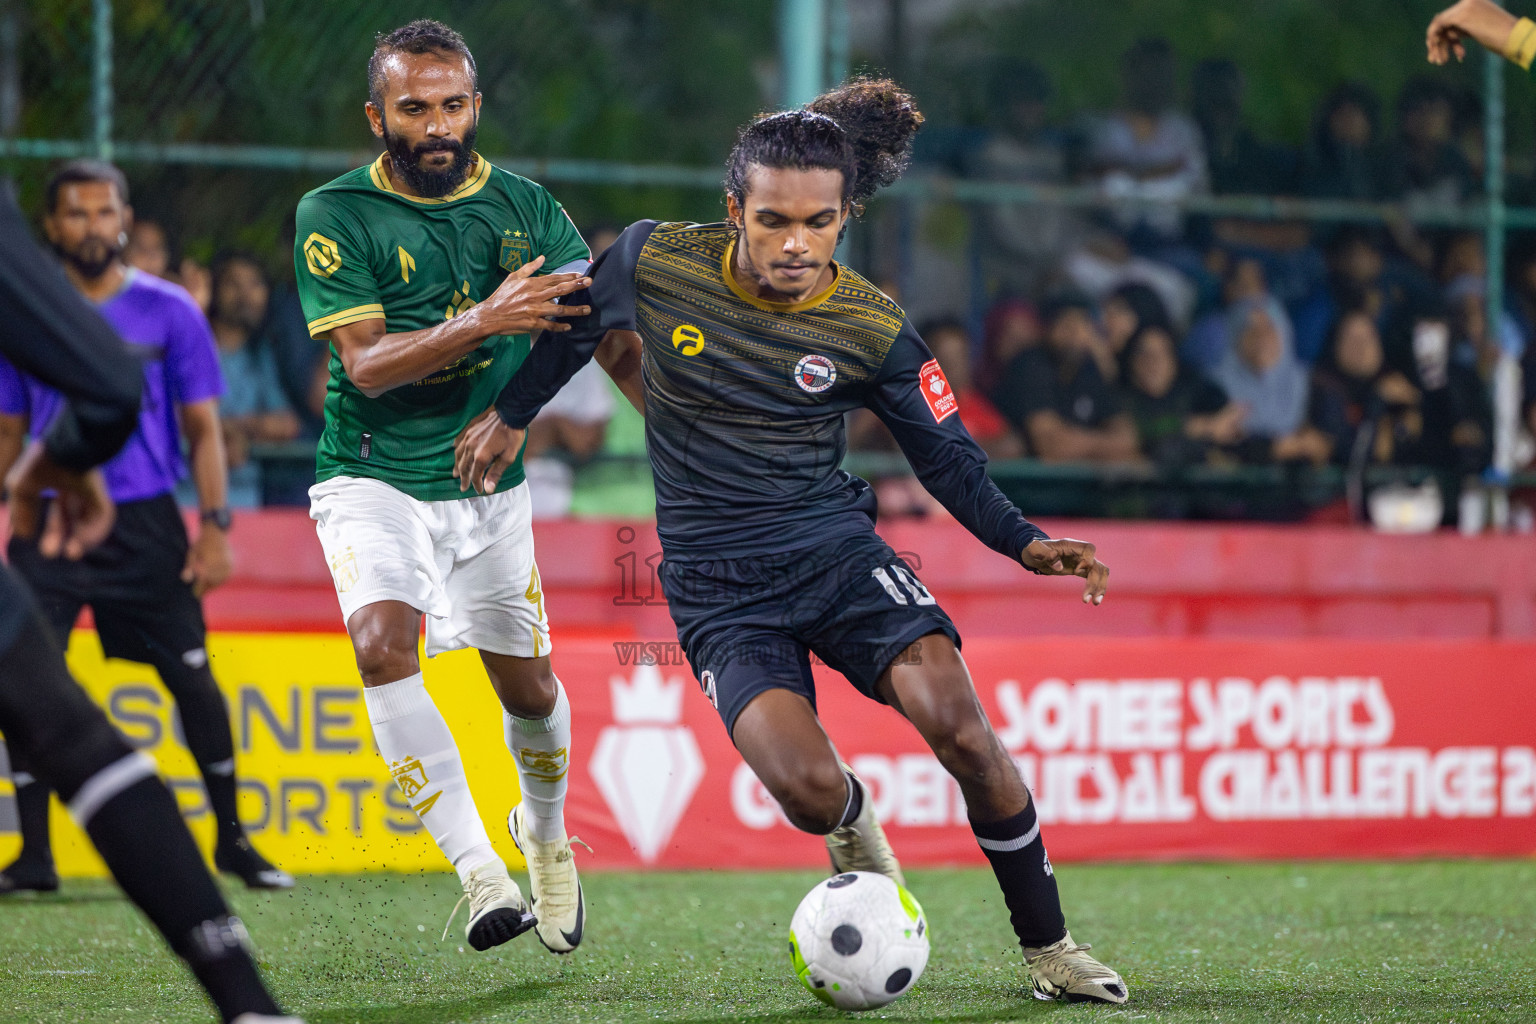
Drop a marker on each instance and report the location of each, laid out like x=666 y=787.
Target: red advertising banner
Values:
x=1134 y=749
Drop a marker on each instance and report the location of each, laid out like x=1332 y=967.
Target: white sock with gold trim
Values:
x=541 y=747
x=424 y=760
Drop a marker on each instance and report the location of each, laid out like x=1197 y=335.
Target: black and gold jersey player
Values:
x=753 y=344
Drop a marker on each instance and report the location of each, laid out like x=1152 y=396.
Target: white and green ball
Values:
x=858 y=941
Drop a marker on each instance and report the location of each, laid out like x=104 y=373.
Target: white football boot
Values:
x=862 y=846
x=497 y=911
x=557 y=896
x=1064 y=970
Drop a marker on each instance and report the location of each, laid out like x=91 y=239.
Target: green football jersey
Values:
x=364 y=251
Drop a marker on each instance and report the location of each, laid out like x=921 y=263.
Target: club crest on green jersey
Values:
x=515 y=250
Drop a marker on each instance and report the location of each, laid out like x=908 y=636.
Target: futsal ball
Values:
x=858 y=940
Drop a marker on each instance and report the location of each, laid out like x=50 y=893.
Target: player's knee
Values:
x=380 y=657
x=526 y=687
x=812 y=795
x=532 y=694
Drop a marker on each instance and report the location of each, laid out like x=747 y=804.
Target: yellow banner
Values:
x=314 y=793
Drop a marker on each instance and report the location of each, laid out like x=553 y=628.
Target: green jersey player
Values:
x=420 y=270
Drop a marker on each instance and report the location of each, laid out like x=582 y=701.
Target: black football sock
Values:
x=205 y=724
x=1016 y=850
x=855 y=805
x=139 y=833
x=32 y=814
x=219 y=779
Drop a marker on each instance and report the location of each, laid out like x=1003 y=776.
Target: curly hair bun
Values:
x=880 y=119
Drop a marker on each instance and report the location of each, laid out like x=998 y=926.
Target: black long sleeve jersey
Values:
x=744 y=399
x=48 y=331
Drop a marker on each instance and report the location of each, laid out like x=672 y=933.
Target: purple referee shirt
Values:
x=168 y=333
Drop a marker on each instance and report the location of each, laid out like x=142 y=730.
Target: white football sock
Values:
x=541 y=747
x=425 y=763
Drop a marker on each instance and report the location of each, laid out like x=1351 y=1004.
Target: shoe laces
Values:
x=1071 y=959
x=855 y=851
x=480 y=889
x=547 y=859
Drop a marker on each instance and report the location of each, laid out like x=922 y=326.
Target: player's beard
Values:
x=405 y=159
x=92 y=256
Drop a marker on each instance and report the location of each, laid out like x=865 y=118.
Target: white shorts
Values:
x=467 y=563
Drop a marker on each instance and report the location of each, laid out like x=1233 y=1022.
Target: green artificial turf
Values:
x=1256 y=943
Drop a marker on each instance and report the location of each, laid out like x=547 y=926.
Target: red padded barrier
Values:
x=1169 y=579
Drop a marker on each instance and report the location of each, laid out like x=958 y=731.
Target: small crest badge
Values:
x=515 y=250
x=409 y=775
x=815 y=373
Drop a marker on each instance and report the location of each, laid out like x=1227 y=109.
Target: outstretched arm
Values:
x=490 y=443
x=1483 y=22
x=377 y=361
x=913 y=398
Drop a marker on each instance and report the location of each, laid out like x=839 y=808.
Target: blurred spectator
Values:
x=566 y=433
x=1262 y=374
x=1127 y=310
x=1011 y=326
x=1458 y=419
x=1373 y=413
x=1106 y=263
x=950 y=343
x=1021 y=243
x=1358 y=277
x=254 y=411
x=1147 y=150
x=1211 y=337
x=1057 y=399
x=1424 y=163
x=1180 y=414
x=148 y=249
x=1343 y=159
x=1462 y=272
x=1242 y=164
x=1239 y=163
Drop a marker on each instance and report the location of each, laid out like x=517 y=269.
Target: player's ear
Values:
x=733 y=211
x=375 y=119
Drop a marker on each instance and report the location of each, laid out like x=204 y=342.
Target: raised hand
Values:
x=1480 y=20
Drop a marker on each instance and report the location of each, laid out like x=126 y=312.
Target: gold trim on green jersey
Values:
x=727 y=262
x=474 y=183
x=372 y=311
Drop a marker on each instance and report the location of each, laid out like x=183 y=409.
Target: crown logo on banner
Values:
x=646 y=699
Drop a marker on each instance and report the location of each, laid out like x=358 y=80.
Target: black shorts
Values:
x=132 y=583
x=749 y=625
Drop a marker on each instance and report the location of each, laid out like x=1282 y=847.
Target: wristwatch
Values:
x=219 y=517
